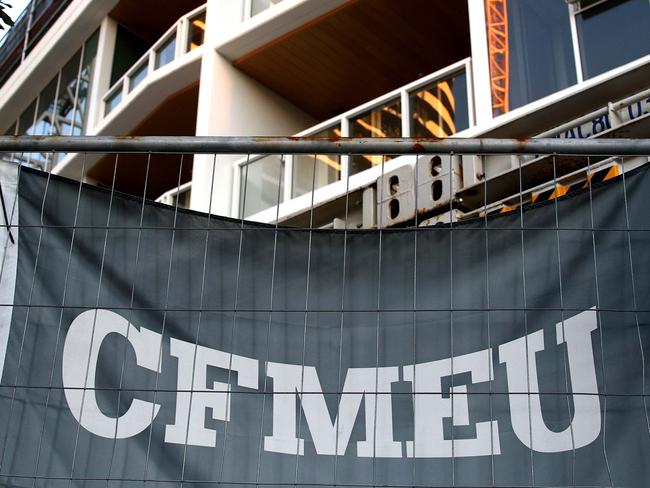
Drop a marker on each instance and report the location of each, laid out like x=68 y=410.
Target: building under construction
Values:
x=362 y=68
x=433 y=273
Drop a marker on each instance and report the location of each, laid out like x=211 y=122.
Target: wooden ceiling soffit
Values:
x=360 y=51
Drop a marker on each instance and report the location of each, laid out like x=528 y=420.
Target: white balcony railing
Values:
x=183 y=37
x=437 y=105
x=177 y=196
x=254 y=7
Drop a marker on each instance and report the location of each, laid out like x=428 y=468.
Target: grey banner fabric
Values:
x=204 y=349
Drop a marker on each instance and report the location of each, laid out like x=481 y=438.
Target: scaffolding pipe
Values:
x=310 y=145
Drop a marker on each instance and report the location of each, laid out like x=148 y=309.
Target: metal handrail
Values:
x=310 y=145
x=609 y=108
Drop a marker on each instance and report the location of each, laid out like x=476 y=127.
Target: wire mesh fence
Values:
x=498 y=343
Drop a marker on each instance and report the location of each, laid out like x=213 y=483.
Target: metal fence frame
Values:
x=308 y=145
x=282 y=145
x=527 y=157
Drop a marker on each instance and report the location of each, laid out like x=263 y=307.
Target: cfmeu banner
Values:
x=148 y=344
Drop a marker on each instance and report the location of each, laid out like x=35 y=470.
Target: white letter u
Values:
x=585 y=425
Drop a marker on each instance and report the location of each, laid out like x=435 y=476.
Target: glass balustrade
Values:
x=261 y=184
x=435 y=106
x=165 y=53
x=112 y=100
x=188 y=34
x=196 y=35
x=138 y=75
x=440 y=108
x=382 y=121
x=316 y=171
x=259 y=6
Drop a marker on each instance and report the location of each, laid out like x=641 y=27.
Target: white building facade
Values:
x=324 y=68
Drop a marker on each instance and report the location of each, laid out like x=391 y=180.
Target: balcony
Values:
x=438 y=105
x=186 y=35
x=435 y=106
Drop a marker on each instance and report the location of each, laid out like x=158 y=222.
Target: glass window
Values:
x=64 y=110
x=85 y=77
x=197 y=32
x=44 y=112
x=382 y=121
x=440 y=109
x=44 y=125
x=530 y=51
x=261 y=180
x=66 y=94
x=113 y=100
x=327 y=166
x=26 y=120
x=165 y=53
x=612 y=33
x=258 y=6
x=138 y=75
x=63 y=116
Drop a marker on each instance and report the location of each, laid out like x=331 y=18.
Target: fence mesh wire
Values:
x=435 y=309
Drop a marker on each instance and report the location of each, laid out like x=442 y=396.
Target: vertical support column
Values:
x=480 y=62
x=345 y=159
x=469 y=78
x=288 y=177
x=232 y=104
x=406 y=113
x=101 y=78
x=182 y=30
x=217 y=17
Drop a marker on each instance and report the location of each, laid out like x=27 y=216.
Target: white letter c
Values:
x=80 y=354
